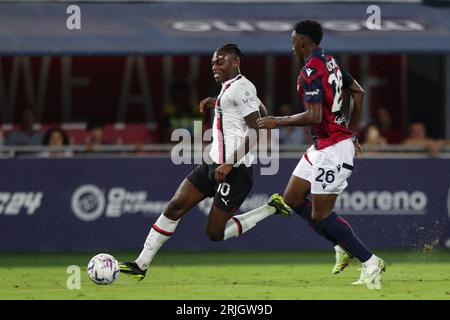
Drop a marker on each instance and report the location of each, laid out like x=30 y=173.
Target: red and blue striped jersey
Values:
x=320 y=84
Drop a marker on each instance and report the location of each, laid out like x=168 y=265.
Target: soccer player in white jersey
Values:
x=229 y=177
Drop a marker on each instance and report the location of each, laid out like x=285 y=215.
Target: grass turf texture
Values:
x=229 y=275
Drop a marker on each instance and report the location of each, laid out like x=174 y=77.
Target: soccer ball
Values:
x=103 y=269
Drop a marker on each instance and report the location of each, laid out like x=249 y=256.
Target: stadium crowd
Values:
x=379 y=131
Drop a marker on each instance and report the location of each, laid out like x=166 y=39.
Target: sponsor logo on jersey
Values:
x=89 y=203
x=249 y=99
x=382 y=203
x=312 y=93
x=13 y=203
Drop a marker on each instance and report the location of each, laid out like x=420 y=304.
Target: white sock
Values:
x=161 y=231
x=338 y=249
x=232 y=228
x=242 y=223
x=372 y=260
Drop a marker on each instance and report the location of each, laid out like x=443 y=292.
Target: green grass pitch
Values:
x=229 y=275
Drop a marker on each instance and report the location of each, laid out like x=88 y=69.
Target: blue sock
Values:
x=304 y=211
x=341 y=230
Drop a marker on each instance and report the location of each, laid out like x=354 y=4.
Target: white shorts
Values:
x=328 y=169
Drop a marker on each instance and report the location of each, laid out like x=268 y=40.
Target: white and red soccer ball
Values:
x=103 y=269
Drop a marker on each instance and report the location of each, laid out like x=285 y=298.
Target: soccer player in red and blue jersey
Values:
x=325 y=167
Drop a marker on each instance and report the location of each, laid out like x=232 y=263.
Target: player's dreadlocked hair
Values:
x=231 y=47
x=310 y=28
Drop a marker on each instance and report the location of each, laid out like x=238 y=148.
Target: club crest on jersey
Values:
x=309 y=71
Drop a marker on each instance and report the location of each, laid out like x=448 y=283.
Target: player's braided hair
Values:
x=310 y=28
x=231 y=47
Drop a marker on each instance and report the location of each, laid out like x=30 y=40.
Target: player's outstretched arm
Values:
x=312 y=101
x=312 y=116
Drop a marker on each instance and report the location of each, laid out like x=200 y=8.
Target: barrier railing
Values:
x=166 y=149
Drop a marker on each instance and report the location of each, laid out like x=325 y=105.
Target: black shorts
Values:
x=229 y=195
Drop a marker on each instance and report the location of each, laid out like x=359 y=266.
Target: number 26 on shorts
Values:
x=327 y=175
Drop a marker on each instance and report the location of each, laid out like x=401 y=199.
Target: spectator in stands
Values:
x=56 y=137
x=26 y=135
x=371 y=135
x=181 y=113
x=292 y=135
x=94 y=127
x=418 y=136
x=386 y=128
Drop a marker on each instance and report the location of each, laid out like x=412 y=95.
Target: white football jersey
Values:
x=236 y=100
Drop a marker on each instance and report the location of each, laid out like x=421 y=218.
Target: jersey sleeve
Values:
x=245 y=97
x=310 y=80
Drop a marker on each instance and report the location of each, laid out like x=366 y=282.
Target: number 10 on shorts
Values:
x=224 y=189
